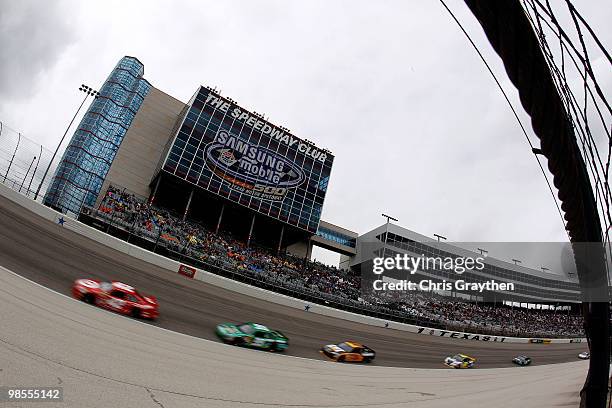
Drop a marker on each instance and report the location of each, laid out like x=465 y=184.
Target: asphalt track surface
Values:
x=54 y=257
x=103 y=360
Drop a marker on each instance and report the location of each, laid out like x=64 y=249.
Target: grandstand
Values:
x=129 y=217
x=531 y=286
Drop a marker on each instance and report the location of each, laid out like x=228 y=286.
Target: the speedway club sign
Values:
x=459 y=335
x=265 y=127
x=251 y=169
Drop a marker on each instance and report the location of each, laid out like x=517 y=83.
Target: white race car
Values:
x=521 y=360
x=585 y=355
x=460 y=361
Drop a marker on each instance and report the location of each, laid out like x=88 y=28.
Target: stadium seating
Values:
x=323 y=282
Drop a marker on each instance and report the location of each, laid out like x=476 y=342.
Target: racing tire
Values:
x=89 y=298
x=341 y=359
x=135 y=313
x=367 y=360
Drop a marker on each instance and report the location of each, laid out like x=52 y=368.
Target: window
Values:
x=345 y=347
x=118 y=294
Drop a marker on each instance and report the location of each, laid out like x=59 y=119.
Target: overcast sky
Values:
x=392 y=88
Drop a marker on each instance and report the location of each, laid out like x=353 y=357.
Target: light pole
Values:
x=440 y=237
x=482 y=251
x=516 y=261
x=389 y=218
x=88 y=92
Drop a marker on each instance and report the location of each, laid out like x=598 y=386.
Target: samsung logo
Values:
x=239 y=161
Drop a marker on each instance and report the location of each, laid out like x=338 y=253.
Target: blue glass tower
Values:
x=93 y=147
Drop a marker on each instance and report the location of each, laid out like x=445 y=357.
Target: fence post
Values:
x=34 y=172
x=13 y=158
x=26 y=175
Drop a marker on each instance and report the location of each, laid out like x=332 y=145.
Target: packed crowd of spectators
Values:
x=500 y=319
x=327 y=283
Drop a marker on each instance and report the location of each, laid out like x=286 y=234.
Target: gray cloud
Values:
x=33 y=34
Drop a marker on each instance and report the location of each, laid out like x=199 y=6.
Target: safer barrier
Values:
x=192 y=272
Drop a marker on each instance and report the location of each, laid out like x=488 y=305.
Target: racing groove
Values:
x=54 y=257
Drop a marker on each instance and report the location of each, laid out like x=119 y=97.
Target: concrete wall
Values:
x=345 y=262
x=302 y=249
x=144 y=143
x=173 y=267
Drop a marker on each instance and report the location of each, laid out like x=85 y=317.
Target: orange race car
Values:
x=349 y=351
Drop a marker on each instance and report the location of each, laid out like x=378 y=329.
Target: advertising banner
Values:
x=241 y=156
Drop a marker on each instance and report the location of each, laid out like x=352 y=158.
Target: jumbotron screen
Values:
x=237 y=154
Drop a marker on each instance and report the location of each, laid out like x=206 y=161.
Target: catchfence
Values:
x=23 y=163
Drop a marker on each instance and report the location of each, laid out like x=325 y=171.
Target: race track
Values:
x=103 y=360
x=54 y=257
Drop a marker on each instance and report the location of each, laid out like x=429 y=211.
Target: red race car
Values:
x=116 y=296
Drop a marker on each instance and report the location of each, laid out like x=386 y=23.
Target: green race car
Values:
x=252 y=335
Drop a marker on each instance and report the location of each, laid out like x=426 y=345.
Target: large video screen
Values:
x=239 y=155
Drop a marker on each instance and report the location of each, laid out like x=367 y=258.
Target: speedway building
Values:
x=231 y=169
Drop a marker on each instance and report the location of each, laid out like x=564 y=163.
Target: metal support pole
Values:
x=34 y=172
x=220 y=218
x=385 y=241
x=388 y=217
x=250 y=231
x=152 y=198
x=188 y=205
x=12 y=158
x=132 y=228
x=157 y=240
x=309 y=249
x=26 y=175
x=280 y=239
